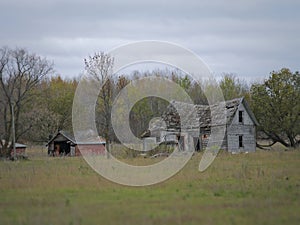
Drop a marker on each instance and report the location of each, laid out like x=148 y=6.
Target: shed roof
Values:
x=71 y=138
x=18 y=145
x=65 y=134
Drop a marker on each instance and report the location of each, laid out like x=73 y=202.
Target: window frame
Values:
x=241 y=117
x=241 y=141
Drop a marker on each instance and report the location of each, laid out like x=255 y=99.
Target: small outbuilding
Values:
x=64 y=144
x=20 y=149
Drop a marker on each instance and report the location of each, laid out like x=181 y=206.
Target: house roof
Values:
x=250 y=113
x=198 y=116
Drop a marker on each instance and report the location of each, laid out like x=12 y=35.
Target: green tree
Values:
x=59 y=98
x=185 y=82
x=276 y=104
x=232 y=87
x=50 y=109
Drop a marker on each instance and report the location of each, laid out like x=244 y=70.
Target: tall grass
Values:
x=258 y=188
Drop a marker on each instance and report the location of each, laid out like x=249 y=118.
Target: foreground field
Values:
x=257 y=188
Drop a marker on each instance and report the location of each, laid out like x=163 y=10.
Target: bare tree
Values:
x=99 y=67
x=20 y=72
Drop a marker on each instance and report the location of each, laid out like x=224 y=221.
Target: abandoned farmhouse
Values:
x=239 y=125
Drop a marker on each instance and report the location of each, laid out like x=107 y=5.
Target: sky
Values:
x=248 y=38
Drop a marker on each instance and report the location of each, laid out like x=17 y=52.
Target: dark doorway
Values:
x=196 y=143
x=181 y=143
x=61 y=148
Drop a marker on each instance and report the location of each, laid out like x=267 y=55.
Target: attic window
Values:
x=241 y=141
x=241 y=119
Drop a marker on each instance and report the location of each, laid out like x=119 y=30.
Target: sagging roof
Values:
x=198 y=116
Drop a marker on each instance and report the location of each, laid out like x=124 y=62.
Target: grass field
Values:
x=257 y=188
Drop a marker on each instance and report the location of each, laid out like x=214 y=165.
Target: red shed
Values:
x=64 y=143
x=20 y=149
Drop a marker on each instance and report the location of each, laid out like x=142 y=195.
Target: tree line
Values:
x=42 y=102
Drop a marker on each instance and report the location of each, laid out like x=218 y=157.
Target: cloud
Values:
x=250 y=38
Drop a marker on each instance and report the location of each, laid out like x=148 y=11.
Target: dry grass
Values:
x=257 y=188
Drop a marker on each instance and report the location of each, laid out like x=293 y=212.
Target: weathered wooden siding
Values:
x=246 y=129
x=219 y=137
x=149 y=143
x=231 y=134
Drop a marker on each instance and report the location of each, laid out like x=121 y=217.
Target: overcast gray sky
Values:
x=247 y=37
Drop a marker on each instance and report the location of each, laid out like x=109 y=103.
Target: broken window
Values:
x=241 y=141
x=157 y=139
x=241 y=117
